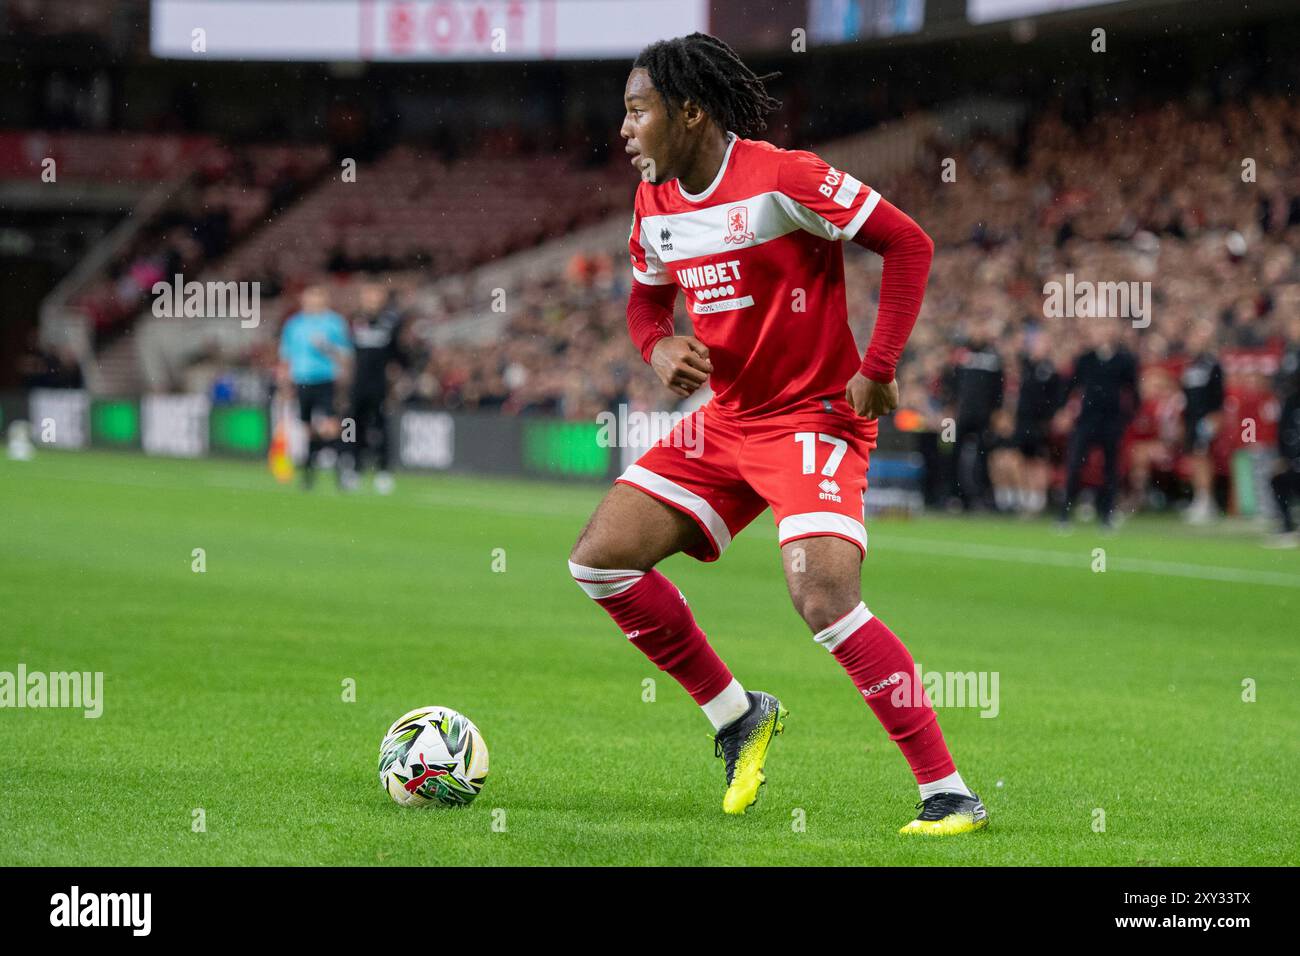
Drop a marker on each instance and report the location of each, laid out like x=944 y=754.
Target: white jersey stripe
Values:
x=819 y=523
x=688 y=501
x=868 y=206
x=652 y=278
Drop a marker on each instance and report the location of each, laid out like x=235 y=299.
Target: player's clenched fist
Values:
x=871 y=399
x=682 y=363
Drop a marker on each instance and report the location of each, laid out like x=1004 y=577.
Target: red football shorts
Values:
x=810 y=467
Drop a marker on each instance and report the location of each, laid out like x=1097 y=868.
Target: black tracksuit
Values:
x=1286 y=483
x=977 y=385
x=1108 y=385
x=374 y=338
x=1202 y=382
x=1037 y=401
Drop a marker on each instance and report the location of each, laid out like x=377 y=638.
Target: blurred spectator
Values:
x=1286 y=480
x=41 y=367
x=1106 y=378
x=375 y=327
x=1202 y=381
x=316 y=353
x=977 y=386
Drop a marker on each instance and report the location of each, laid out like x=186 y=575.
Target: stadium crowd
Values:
x=1202 y=204
x=1206 y=210
x=230 y=191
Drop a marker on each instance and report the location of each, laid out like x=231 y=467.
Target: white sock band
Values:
x=835 y=635
x=602 y=582
x=949 y=784
x=727 y=706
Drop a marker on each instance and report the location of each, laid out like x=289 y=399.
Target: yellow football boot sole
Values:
x=749 y=777
x=951 y=814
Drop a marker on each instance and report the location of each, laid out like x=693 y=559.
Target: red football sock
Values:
x=883 y=670
x=653 y=614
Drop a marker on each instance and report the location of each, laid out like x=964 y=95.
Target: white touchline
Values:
x=982 y=552
x=1175 y=569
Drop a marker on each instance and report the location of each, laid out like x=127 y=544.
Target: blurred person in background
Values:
x=1286 y=477
x=1006 y=472
x=977 y=386
x=1038 y=399
x=53 y=367
x=1155 y=437
x=1202 y=381
x=315 y=353
x=1106 y=378
x=1288 y=372
x=375 y=329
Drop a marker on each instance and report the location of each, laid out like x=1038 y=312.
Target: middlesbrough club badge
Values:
x=738 y=225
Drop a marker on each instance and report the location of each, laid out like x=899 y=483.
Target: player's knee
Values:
x=588 y=554
x=595 y=549
x=821 y=605
x=587 y=551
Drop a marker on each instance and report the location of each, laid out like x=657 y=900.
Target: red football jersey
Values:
x=758 y=257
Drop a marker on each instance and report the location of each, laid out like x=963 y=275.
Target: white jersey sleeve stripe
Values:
x=864 y=213
x=652 y=278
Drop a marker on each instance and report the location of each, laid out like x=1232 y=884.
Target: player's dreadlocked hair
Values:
x=703 y=69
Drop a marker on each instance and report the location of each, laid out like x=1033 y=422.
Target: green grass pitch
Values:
x=1119 y=691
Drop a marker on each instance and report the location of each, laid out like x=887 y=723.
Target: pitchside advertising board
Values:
x=428 y=440
x=412 y=30
x=175 y=426
x=60 y=417
x=988 y=11
x=191 y=426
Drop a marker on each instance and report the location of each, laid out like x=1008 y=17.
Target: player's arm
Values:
x=907 y=252
x=829 y=202
x=681 y=361
x=1217 y=393
x=341 y=340
x=286 y=348
x=1072 y=382
x=286 y=338
x=1060 y=392
x=342 y=349
x=334 y=343
x=1288 y=433
x=1134 y=392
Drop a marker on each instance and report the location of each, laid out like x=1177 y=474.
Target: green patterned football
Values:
x=433 y=756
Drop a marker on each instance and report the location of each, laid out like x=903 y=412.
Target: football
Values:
x=433 y=756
